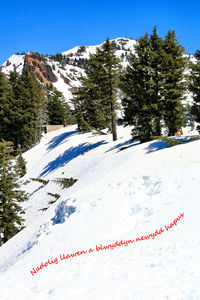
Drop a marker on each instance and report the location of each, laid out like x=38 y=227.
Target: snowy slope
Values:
x=119 y=196
x=16 y=61
x=72 y=73
x=123 y=46
x=69 y=70
x=89 y=50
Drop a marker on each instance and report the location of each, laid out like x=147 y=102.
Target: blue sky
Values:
x=49 y=27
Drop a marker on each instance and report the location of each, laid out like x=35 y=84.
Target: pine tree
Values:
x=58 y=111
x=80 y=108
x=14 y=77
x=7 y=104
x=156 y=55
x=194 y=85
x=136 y=84
x=95 y=101
x=30 y=107
x=110 y=82
x=20 y=163
x=88 y=100
x=21 y=109
x=154 y=86
x=174 y=65
x=11 y=221
x=16 y=112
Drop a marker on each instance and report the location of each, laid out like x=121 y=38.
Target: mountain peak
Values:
x=63 y=70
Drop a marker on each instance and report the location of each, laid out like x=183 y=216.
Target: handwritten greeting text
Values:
x=106 y=247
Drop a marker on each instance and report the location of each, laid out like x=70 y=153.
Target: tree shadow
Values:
x=120 y=145
x=186 y=139
x=157 y=145
x=125 y=145
x=36 y=190
x=63 y=211
x=69 y=155
x=57 y=140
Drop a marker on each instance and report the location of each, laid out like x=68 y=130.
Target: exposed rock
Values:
x=8 y=63
x=35 y=63
x=72 y=90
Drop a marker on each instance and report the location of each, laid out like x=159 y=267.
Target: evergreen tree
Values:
x=156 y=55
x=21 y=164
x=110 y=82
x=80 y=109
x=30 y=105
x=11 y=221
x=16 y=111
x=88 y=100
x=174 y=65
x=14 y=77
x=58 y=111
x=95 y=100
x=21 y=109
x=194 y=85
x=153 y=86
x=7 y=105
x=136 y=84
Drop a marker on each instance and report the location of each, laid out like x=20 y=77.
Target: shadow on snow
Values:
x=129 y=143
x=120 y=145
x=157 y=145
x=69 y=155
x=63 y=212
x=57 y=140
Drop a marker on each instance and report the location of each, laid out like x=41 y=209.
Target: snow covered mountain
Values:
x=63 y=70
x=127 y=229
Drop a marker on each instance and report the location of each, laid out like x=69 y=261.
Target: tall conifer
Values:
x=137 y=87
x=21 y=109
x=7 y=106
x=30 y=104
x=11 y=221
x=156 y=55
x=58 y=111
x=110 y=82
x=194 y=85
x=154 y=86
x=20 y=163
x=174 y=65
x=95 y=101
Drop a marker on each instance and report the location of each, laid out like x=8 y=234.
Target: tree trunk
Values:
x=113 y=122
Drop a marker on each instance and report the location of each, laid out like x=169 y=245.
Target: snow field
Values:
x=119 y=195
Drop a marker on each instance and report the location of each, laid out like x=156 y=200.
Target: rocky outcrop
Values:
x=8 y=63
x=35 y=63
